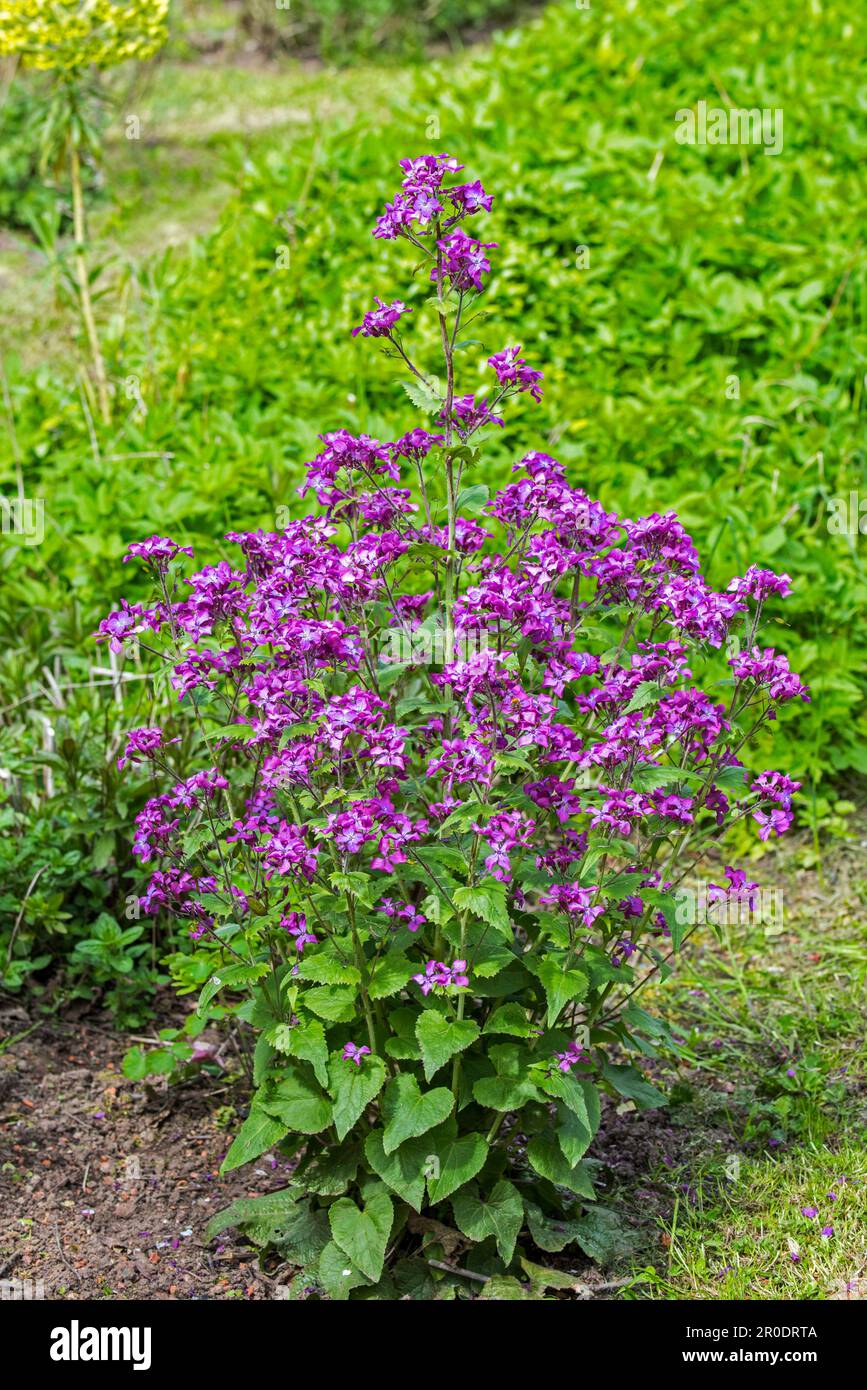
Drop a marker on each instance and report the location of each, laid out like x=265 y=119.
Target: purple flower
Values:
x=809 y=1212
x=378 y=323
x=296 y=925
x=827 y=1231
x=512 y=370
x=463 y=261
x=353 y=1053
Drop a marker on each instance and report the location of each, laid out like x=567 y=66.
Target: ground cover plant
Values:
x=447 y=789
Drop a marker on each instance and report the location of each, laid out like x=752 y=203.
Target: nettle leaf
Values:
x=259 y=1132
x=332 y=1002
x=547 y=1159
x=404 y=1169
x=409 y=1112
x=458 y=1161
x=488 y=901
x=325 y=969
x=306 y=1041
x=363 y=1233
x=352 y=1088
x=440 y=1038
x=628 y=1081
x=389 y=975
x=299 y=1103
x=337 y=1273
x=500 y=1215
x=510 y=1019
x=560 y=986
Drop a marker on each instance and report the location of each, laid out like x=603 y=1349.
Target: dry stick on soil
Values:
x=73 y=1271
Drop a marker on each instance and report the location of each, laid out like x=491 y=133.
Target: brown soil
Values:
x=107 y=1185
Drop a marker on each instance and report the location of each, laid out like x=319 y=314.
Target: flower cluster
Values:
x=521 y=801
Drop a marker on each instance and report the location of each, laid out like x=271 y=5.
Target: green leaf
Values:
x=404 y=1169
x=488 y=901
x=548 y=1161
x=259 y=1132
x=273 y=1206
x=603 y=1237
x=229 y=977
x=473 y=498
x=560 y=986
x=422 y=396
x=409 y=1112
x=390 y=974
x=550 y=1233
x=459 y=1160
x=334 y=1004
x=337 y=1274
x=510 y=1019
x=628 y=1081
x=500 y=1215
x=440 y=1038
x=327 y=970
x=306 y=1041
x=299 y=1103
x=352 y=1088
x=363 y=1233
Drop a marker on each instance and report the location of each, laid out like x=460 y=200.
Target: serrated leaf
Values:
x=352 y=1088
x=486 y=900
x=259 y=1132
x=509 y=1019
x=501 y=1215
x=334 y=1003
x=440 y=1038
x=337 y=1273
x=362 y=1233
x=299 y=1103
x=306 y=1041
x=459 y=1160
x=323 y=969
x=548 y=1161
x=258 y=1210
x=390 y=974
x=403 y=1170
x=410 y=1112
x=561 y=986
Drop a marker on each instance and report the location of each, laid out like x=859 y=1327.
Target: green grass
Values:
x=768 y=1112
x=738 y=1240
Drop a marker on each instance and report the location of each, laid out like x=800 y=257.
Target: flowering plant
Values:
x=72 y=34
x=455 y=764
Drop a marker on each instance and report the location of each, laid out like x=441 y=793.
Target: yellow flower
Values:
x=68 y=34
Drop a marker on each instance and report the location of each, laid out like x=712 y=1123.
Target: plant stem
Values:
x=81 y=276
